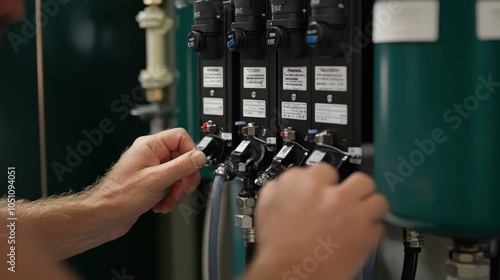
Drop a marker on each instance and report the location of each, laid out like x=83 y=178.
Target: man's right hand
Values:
x=311 y=227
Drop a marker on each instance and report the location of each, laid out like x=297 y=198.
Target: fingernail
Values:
x=199 y=159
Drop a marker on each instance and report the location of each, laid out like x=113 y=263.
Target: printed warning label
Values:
x=254 y=108
x=330 y=113
x=488 y=20
x=294 y=110
x=213 y=106
x=295 y=78
x=213 y=77
x=406 y=21
x=330 y=78
x=254 y=77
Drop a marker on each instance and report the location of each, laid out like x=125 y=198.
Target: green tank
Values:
x=437 y=108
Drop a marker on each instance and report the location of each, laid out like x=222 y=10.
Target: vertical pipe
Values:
x=41 y=104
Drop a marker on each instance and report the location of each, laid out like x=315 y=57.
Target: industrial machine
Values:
x=287 y=92
x=305 y=83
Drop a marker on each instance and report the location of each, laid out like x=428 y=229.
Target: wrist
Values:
x=267 y=268
x=105 y=205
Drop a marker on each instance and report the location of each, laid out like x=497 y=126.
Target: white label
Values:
x=294 y=110
x=213 y=77
x=330 y=78
x=405 y=21
x=295 y=78
x=330 y=113
x=242 y=146
x=226 y=136
x=204 y=142
x=254 y=77
x=213 y=106
x=488 y=20
x=356 y=154
x=315 y=158
x=271 y=140
x=254 y=108
x=283 y=152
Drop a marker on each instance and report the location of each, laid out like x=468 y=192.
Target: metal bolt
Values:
x=242 y=167
x=217 y=16
x=250 y=202
x=294 y=97
x=341 y=6
x=254 y=94
x=304 y=11
x=212 y=92
x=329 y=98
x=343 y=142
x=263 y=132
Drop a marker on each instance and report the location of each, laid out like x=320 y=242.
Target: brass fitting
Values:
x=155 y=95
x=153 y=2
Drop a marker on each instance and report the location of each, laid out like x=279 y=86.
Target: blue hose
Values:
x=213 y=235
x=369 y=268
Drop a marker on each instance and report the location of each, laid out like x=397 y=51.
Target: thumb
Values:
x=174 y=170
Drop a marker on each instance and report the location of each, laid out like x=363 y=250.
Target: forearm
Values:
x=67 y=225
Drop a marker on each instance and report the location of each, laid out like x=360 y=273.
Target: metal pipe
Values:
x=41 y=99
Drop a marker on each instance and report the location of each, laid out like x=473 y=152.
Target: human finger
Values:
x=172 y=140
x=176 y=169
x=357 y=186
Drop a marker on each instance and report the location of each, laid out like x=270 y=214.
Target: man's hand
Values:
x=309 y=225
x=156 y=172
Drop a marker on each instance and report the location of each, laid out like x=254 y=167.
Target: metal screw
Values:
x=217 y=16
x=329 y=98
x=294 y=97
x=341 y=6
x=343 y=142
x=212 y=92
x=304 y=11
x=221 y=129
x=254 y=94
x=263 y=132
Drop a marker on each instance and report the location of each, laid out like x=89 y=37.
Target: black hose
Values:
x=495 y=259
x=249 y=250
x=213 y=234
x=410 y=263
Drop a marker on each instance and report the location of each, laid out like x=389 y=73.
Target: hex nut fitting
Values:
x=243 y=221
x=467 y=271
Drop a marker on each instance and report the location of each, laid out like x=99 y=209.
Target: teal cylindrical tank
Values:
x=437 y=113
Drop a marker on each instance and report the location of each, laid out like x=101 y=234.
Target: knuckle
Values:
x=291 y=174
x=142 y=140
x=364 y=179
x=182 y=166
x=383 y=203
x=180 y=130
x=337 y=198
x=324 y=167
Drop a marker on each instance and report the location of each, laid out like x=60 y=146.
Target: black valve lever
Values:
x=292 y=154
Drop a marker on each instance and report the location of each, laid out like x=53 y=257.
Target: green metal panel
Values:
x=439 y=166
